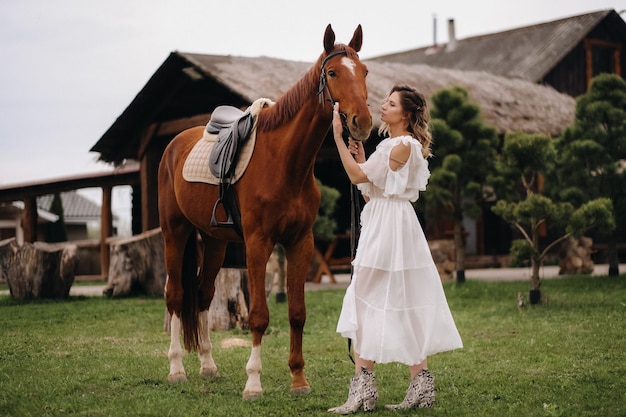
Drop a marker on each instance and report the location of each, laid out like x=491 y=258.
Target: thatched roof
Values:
x=508 y=104
x=192 y=84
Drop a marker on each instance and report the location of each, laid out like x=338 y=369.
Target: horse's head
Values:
x=342 y=79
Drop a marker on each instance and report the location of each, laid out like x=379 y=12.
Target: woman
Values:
x=394 y=309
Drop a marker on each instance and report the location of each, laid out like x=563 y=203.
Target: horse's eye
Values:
x=366 y=73
x=331 y=73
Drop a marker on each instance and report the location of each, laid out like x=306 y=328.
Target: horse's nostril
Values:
x=355 y=121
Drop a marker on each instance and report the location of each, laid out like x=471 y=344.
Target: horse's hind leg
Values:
x=212 y=258
x=207 y=364
x=173 y=300
x=174 y=255
x=175 y=354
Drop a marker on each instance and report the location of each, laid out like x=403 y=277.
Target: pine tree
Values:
x=56 y=232
x=465 y=149
x=592 y=151
x=525 y=159
x=325 y=223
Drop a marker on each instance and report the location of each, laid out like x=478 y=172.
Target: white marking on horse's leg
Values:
x=348 y=63
x=175 y=354
x=207 y=365
x=253 y=387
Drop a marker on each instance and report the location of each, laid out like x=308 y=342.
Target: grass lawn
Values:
x=93 y=356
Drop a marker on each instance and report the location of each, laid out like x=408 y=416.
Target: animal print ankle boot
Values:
x=421 y=392
x=363 y=393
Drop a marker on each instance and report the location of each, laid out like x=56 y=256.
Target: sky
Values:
x=69 y=68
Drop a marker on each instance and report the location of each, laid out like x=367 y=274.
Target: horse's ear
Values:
x=357 y=39
x=329 y=39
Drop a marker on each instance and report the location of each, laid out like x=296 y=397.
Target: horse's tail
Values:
x=190 y=308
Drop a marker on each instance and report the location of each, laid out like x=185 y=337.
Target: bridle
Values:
x=324 y=86
x=323 y=82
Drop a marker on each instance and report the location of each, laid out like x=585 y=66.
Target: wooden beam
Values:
x=23 y=191
x=174 y=127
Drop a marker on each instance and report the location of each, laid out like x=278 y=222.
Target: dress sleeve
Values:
x=406 y=181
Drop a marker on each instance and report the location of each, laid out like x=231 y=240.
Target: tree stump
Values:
x=38 y=270
x=137 y=265
x=575 y=256
x=7 y=250
x=230 y=307
x=443 y=255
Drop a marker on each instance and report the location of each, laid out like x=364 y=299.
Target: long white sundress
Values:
x=395 y=309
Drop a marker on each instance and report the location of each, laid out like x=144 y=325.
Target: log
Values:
x=575 y=256
x=38 y=270
x=7 y=250
x=137 y=265
x=443 y=254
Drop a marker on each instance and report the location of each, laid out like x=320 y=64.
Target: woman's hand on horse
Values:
x=337 y=126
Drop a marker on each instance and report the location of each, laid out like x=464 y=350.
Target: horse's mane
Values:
x=289 y=103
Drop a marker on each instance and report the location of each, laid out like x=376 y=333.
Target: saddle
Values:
x=233 y=128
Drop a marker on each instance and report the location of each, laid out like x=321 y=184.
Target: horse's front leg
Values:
x=298 y=260
x=259 y=317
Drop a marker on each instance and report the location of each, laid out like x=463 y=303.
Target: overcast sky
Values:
x=69 y=68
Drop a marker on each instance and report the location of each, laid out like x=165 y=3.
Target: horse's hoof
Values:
x=252 y=395
x=180 y=377
x=301 y=390
x=209 y=372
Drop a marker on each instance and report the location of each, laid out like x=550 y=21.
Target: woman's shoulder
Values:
x=405 y=140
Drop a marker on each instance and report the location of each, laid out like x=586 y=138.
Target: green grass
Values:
x=92 y=356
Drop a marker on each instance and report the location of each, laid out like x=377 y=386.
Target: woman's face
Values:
x=391 y=110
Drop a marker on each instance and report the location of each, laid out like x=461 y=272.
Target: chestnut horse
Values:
x=278 y=200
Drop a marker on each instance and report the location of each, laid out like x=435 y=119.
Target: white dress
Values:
x=395 y=309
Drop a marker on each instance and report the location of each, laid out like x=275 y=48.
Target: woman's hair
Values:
x=414 y=103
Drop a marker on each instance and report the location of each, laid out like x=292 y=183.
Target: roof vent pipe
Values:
x=451 y=36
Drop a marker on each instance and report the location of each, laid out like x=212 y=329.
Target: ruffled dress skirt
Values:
x=395 y=309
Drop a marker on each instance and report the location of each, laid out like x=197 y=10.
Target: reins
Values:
x=355 y=214
x=355 y=205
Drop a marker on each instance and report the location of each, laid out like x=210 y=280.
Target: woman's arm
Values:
x=349 y=162
x=399 y=156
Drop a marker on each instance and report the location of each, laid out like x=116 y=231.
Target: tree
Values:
x=325 y=223
x=529 y=158
x=56 y=232
x=465 y=149
x=592 y=151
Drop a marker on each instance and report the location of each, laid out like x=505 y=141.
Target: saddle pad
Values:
x=196 y=167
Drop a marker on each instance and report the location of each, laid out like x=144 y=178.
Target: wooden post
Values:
x=106 y=230
x=148 y=172
x=29 y=219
